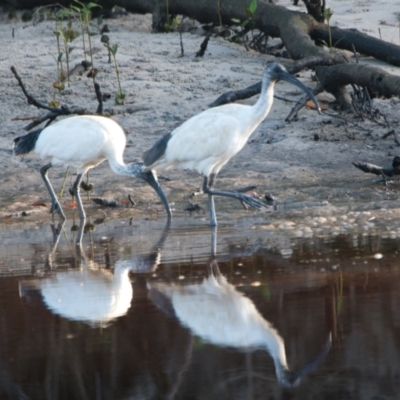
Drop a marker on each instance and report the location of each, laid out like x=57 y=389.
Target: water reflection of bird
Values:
x=207 y=141
x=215 y=311
x=91 y=293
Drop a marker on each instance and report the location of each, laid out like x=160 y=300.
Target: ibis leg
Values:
x=76 y=189
x=207 y=183
x=213 y=241
x=56 y=238
x=251 y=201
x=80 y=235
x=55 y=205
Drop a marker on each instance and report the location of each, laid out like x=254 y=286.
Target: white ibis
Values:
x=215 y=311
x=207 y=141
x=83 y=142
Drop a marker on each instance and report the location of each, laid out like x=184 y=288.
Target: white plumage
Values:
x=218 y=313
x=215 y=311
x=207 y=141
x=83 y=142
x=208 y=152
x=92 y=295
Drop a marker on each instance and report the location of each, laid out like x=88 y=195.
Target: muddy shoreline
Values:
x=306 y=165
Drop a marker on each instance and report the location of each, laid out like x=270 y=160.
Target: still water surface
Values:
x=144 y=313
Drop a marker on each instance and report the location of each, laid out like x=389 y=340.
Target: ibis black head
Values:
x=289 y=379
x=275 y=72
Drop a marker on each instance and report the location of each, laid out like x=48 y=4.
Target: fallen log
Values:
x=301 y=34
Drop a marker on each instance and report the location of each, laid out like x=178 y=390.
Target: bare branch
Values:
x=292 y=66
x=378 y=170
x=300 y=104
x=56 y=112
x=31 y=99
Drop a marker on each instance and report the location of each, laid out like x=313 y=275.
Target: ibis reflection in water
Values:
x=213 y=310
x=218 y=313
x=91 y=293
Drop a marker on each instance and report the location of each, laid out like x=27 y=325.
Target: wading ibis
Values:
x=207 y=141
x=83 y=142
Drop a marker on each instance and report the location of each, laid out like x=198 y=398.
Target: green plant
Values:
x=60 y=195
x=84 y=18
x=171 y=24
x=251 y=9
x=180 y=36
x=81 y=19
x=398 y=19
x=27 y=16
x=105 y=39
x=167 y=25
x=328 y=15
x=120 y=96
x=12 y=15
x=219 y=12
x=102 y=30
x=248 y=24
x=68 y=34
x=58 y=84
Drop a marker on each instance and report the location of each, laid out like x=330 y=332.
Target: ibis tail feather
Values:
x=25 y=144
x=157 y=151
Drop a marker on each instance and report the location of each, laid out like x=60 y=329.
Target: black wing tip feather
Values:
x=150 y=156
x=25 y=144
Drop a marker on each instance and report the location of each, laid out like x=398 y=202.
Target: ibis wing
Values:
x=79 y=140
x=204 y=136
x=204 y=142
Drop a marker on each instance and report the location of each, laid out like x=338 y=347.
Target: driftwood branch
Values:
x=378 y=170
x=292 y=66
x=301 y=34
x=347 y=39
x=99 y=97
x=378 y=82
x=203 y=47
x=298 y=31
x=316 y=9
x=56 y=112
x=300 y=104
x=31 y=99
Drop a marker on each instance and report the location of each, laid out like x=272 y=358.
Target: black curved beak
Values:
x=149 y=177
x=293 y=379
x=291 y=79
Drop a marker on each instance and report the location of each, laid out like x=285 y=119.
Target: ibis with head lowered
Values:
x=83 y=142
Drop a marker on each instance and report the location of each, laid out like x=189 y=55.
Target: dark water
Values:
x=145 y=314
